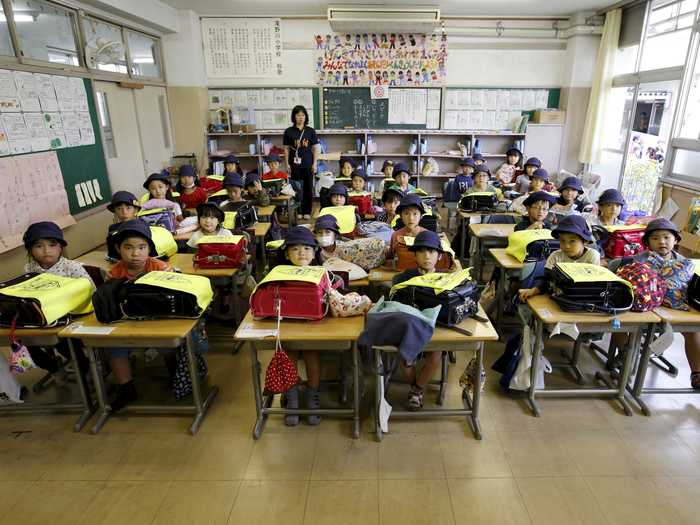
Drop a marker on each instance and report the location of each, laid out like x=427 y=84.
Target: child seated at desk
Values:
x=233 y=184
x=571 y=199
x=191 y=193
x=391 y=198
x=232 y=165
x=510 y=169
x=44 y=243
x=254 y=190
x=522 y=181
x=661 y=237
x=211 y=219
x=539 y=181
x=273 y=163
x=358 y=180
x=401 y=177
x=537 y=205
x=346 y=166
x=610 y=204
x=573 y=232
x=427 y=248
x=388 y=169
x=366 y=252
x=482 y=182
x=124 y=206
x=410 y=210
x=465 y=178
x=136 y=253
x=160 y=195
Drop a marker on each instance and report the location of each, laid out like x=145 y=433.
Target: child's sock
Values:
x=126 y=394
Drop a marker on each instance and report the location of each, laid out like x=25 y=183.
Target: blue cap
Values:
x=162 y=176
x=123 y=197
x=661 y=224
x=251 y=177
x=327 y=222
x=233 y=179
x=392 y=190
x=611 y=196
x=187 y=171
x=426 y=239
x=482 y=168
x=387 y=163
x=43 y=230
x=467 y=162
x=571 y=182
x=338 y=189
x=514 y=149
x=299 y=235
x=477 y=156
x=274 y=158
x=400 y=167
x=575 y=224
x=539 y=196
x=533 y=161
x=343 y=160
x=131 y=228
x=410 y=200
x=211 y=206
x=231 y=159
x=359 y=172
x=541 y=173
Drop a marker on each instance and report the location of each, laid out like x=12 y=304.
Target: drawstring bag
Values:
x=468 y=378
x=182 y=382
x=20 y=359
x=281 y=373
x=10 y=388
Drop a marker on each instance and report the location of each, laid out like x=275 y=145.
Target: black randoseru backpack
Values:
x=107 y=300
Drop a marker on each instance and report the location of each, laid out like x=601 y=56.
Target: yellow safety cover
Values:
x=589 y=273
x=420 y=191
x=408 y=241
x=166 y=246
x=220 y=193
x=215 y=177
x=150 y=211
x=229 y=220
x=518 y=241
x=58 y=296
x=696 y=264
x=439 y=282
x=345 y=215
x=196 y=285
x=220 y=239
x=624 y=227
x=288 y=272
x=357 y=193
x=274 y=244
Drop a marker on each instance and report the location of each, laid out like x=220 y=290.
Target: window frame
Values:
x=158 y=55
x=86 y=19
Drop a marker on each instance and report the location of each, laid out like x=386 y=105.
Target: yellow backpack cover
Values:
x=196 y=285
x=345 y=215
x=166 y=246
x=439 y=282
x=518 y=241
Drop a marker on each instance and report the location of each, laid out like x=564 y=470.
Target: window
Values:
x=685 y=164
x=106 y=125
x=5 y=41
x=45 y=32
x=690 y=126
x=143 y=54
x=104 y=46
x=669 y=27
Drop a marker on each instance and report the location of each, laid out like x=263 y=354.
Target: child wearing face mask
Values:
x=191 y=193
x=661 y=238
x=210 y=218
x=366 y=252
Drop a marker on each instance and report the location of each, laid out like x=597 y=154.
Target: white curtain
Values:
x=593 y=132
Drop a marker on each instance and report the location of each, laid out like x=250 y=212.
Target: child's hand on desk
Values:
x=526 y=293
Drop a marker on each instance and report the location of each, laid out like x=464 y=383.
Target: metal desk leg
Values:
x=355 y=391
x=379 y=383
x=443 y=379
x=257 y=392
x=537 y=351
x=201 y=407
x=632 y=351
x=84 y=394
x=641 y=374
x=100 y=390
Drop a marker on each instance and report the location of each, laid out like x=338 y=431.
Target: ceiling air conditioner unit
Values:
x=384 y=19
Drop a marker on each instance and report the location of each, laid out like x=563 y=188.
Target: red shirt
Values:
x=278 y=175
x=194 y=199
x=152 y=265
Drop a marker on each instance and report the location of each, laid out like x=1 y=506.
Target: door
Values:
x=120 y=136
x=154 y=124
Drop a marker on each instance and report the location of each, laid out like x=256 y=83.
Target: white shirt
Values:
x=192 y=242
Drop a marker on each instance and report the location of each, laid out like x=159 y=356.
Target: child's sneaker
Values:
x=415 y=398
x=291 y=402
x=313 y=402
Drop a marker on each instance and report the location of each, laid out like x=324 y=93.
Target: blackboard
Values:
x=353 y=107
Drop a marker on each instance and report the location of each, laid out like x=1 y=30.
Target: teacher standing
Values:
x=301 y=150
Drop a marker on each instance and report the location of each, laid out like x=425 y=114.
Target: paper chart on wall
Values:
x=408 y=106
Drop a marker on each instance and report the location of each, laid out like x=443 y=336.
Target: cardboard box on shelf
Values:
x=690 y=244
x=242 y=128
x=548 y=116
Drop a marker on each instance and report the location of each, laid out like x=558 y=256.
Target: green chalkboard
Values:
x=353 y=107
x=81 y=166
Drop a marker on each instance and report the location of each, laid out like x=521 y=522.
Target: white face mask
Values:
x=325 y=240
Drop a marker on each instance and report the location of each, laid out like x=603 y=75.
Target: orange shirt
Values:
x=152 y=265
x=277 y=175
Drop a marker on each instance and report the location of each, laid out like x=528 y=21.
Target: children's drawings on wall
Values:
x=392 y=59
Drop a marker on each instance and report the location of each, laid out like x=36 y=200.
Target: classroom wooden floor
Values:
x=582 y=462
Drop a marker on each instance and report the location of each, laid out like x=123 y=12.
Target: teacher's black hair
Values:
x=300 y=109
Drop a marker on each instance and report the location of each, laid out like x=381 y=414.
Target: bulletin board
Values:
x=52 y=163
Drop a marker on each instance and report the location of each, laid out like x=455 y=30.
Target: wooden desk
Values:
x=96 y=258
x=547 y=312
x=162 y=333
x=510 y=266
x=260 y=230
x=265 y=212
x=282 y=200
x=49 y=337
x=481 y=332
x=681 y=322
x=497 y=234
x=359 y=283
x=382 y=274
x=327 y=330
x=464 y=218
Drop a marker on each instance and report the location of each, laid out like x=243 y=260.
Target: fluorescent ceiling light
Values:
x=18 y=18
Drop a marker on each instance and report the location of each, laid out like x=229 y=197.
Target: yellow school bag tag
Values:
x=394 y=220
x=590 y=273
x=288 y=272
x=219 y=239
x=58 y=296
x=150 y=211
x=273 y=245
x=345 y=215
x=216 y=177
x=165 y=243
x=518 y=241
x=357 y=193
x=196 y=285
x=624 y=227
x=229 y=220
x=220 y=193
x=439 y=282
